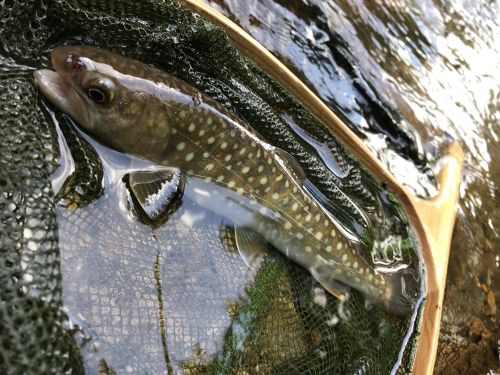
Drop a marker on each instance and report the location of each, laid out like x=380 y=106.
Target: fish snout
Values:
x=62 y=94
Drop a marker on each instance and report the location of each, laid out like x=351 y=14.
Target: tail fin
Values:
x=396 y=296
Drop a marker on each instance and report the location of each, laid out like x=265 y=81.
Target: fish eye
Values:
x=101 y=90
x=96 y=95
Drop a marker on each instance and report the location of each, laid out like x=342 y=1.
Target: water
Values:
x=436 y=63
x=166 y=290
x=145 y=299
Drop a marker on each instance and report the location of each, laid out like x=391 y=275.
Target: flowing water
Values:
x=437 y=64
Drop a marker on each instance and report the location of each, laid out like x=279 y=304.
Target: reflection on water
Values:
x=438 y=64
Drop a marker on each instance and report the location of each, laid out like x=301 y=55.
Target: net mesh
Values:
x=179 y=301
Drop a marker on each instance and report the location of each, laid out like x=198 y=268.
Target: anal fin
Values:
x=251 y=246
x=324 y=275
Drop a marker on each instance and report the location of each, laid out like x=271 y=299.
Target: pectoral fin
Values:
x=251 y=246
x=157 y=194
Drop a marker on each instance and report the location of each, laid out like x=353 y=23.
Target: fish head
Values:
x=86 y=84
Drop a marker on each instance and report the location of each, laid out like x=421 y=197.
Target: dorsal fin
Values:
x=156 y=194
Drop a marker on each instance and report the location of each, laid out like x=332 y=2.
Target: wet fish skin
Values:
x=145 y=112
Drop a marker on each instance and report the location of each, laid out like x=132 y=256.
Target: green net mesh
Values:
x=99 y=294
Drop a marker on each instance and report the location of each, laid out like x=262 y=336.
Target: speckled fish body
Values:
x=140 y=110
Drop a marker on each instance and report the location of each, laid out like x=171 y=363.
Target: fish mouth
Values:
x=59 y=92
x=53 y=87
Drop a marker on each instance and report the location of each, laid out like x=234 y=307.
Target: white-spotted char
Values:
x=143 y=111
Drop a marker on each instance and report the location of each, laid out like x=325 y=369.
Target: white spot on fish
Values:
x=245 y=170
x=210 y=140
x=228 y=157
x=191 y=127
x=339 y=246
x=275 y=196
x=263 y=180
x=223 y=145
x=190 y=156
x=181 y=146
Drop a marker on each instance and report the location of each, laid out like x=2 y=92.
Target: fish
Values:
x=140 y=110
